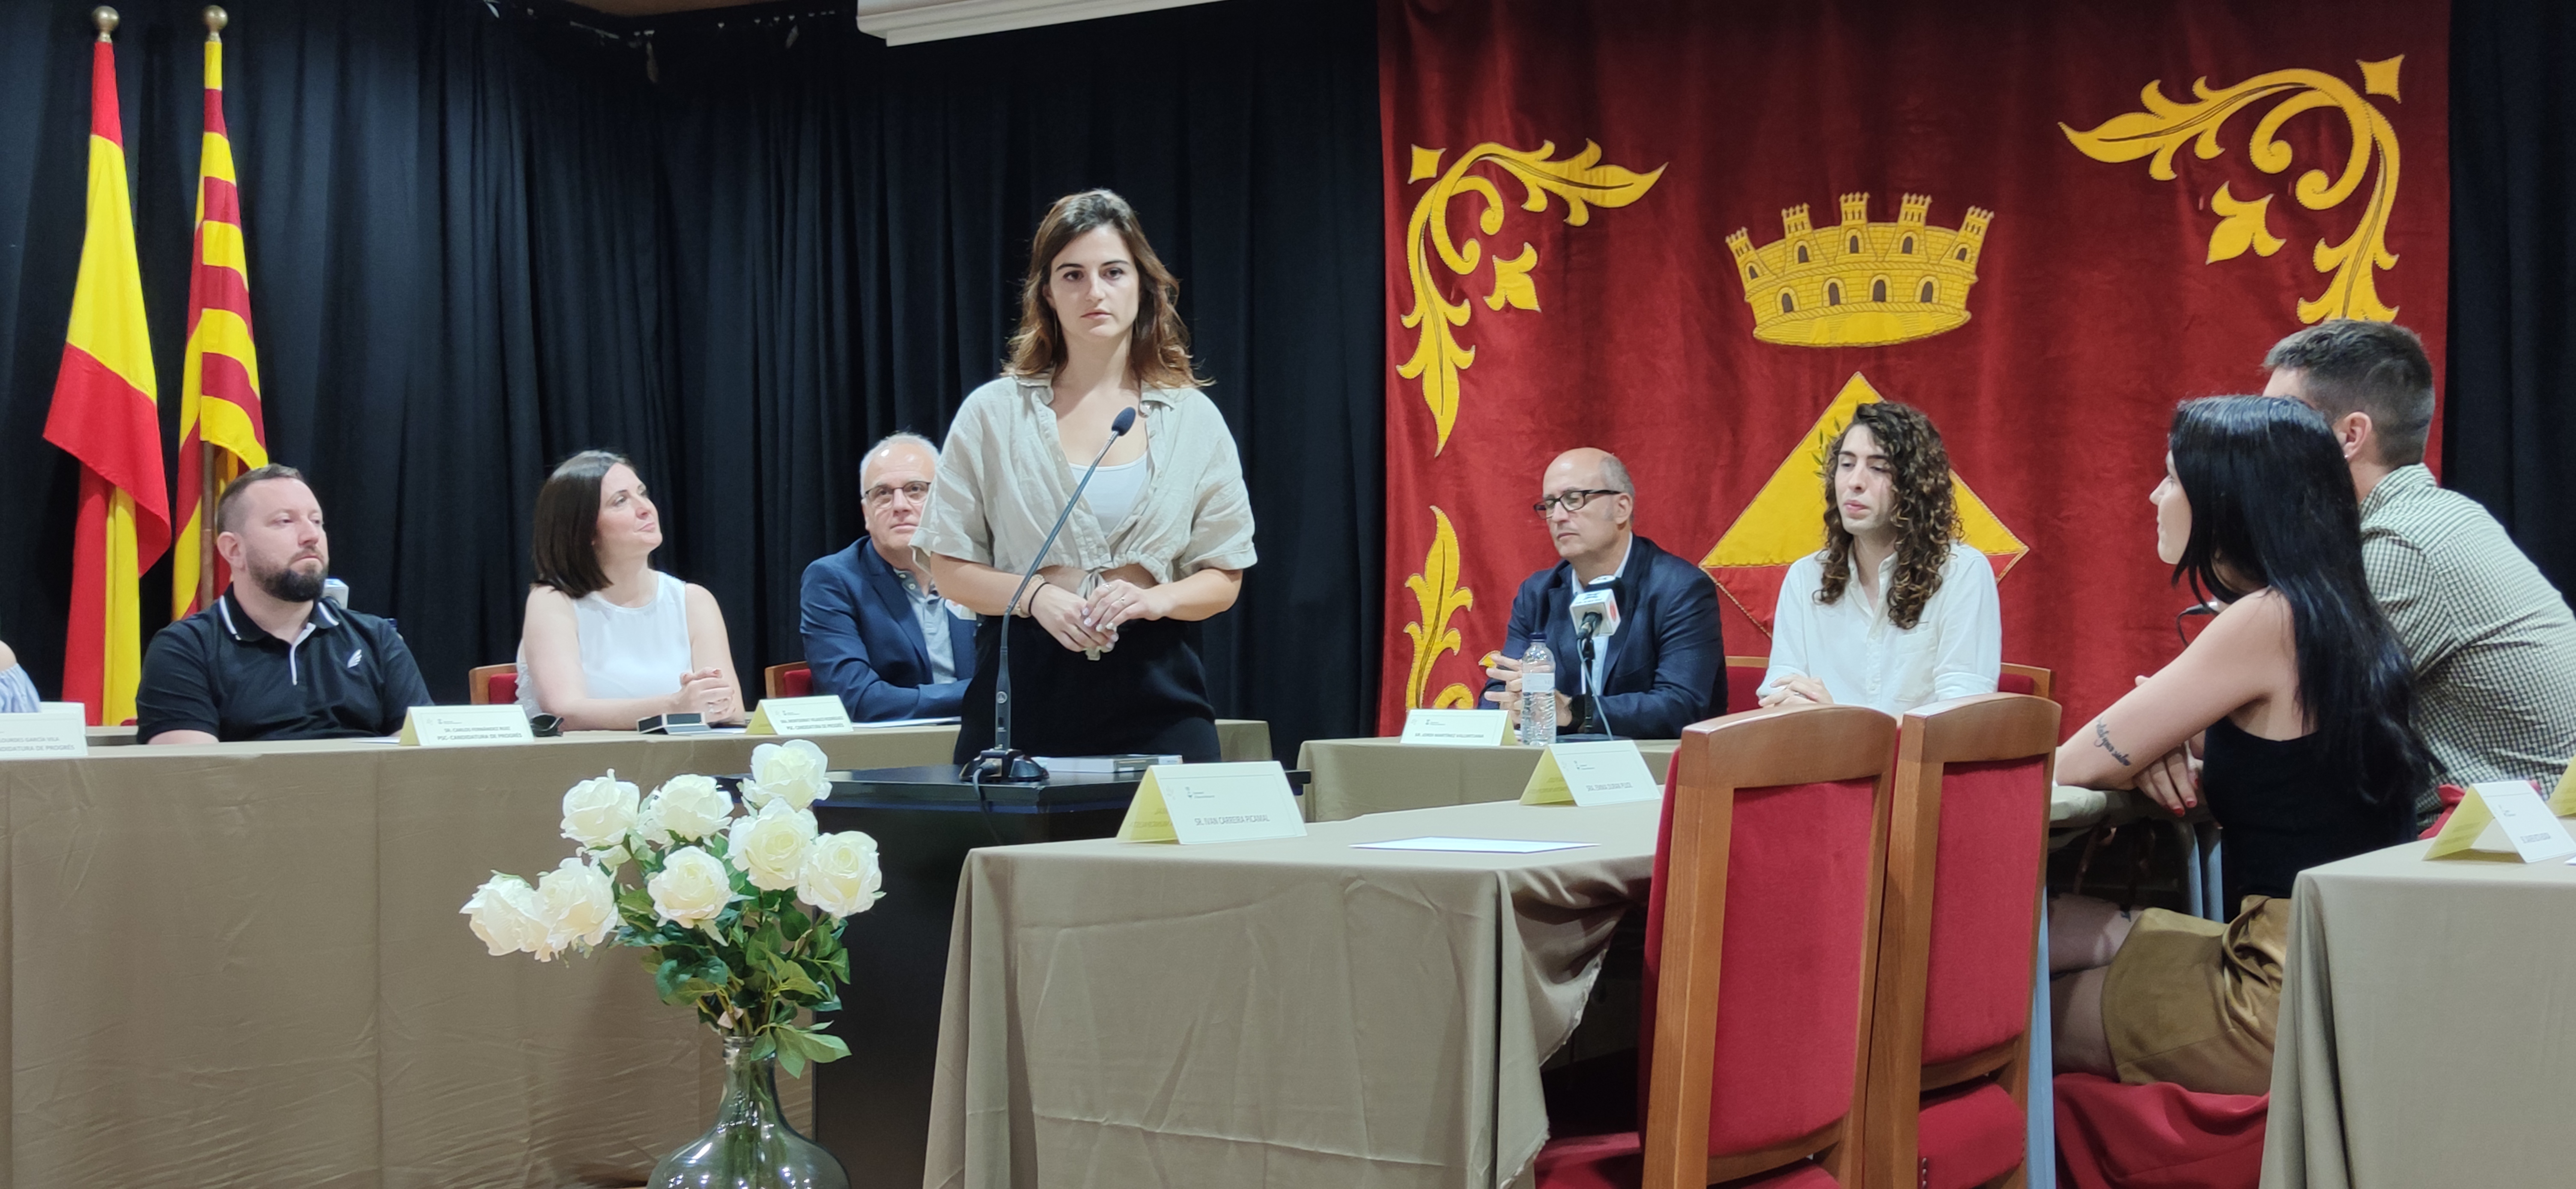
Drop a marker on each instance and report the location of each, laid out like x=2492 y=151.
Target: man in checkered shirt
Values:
x=2492 y=643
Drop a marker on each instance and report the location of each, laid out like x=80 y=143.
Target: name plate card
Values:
x=822 y=714
x=2563 y=802
x=1197 y=803
x=1454 y=728
x=2503 y=817
x=45 y=734
x=464 y=726
x=1588 y=774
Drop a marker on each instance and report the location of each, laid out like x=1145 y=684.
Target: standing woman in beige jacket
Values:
x=1107 y=656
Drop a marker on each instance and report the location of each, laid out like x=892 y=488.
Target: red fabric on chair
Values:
x=1743 y=688
x=1616 y=1162
x=1797 y=906
x=2016 y=683
x=2156 y=1136
x=505 y=689
x=1969 y=1136
x=797 y=682
x=1976 y=993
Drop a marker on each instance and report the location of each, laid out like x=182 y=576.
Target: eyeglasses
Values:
x=1573 y=500
x=882 y=494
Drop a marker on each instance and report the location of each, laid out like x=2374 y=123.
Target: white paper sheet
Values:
x=1481 y=846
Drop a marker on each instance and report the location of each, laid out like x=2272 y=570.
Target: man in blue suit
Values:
x=877 y=634
x=1665 y=668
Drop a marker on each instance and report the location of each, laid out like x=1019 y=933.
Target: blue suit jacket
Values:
x=866 y=648
x=1668 y=662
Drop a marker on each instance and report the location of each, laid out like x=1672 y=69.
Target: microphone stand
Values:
x=1003 y=763
x=1589 y=726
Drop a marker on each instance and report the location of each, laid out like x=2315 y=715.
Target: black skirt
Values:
x=1148 y=695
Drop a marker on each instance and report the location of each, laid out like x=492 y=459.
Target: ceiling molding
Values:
x=903 y=22
x=655 y=8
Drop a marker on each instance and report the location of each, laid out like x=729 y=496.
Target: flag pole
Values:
x=206 y=452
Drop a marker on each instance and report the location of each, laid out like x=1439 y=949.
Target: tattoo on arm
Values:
x=2102 y=737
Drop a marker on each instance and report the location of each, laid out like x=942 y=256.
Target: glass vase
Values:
x=751 y=1146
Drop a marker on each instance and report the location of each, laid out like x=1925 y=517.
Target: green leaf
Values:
x=823 y=1046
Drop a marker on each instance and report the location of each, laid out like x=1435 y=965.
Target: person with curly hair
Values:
x=1895 y=611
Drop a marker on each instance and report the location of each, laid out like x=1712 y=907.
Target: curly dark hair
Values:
x=1927 y=511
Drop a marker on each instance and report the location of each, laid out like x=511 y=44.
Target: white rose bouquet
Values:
x=718 y=900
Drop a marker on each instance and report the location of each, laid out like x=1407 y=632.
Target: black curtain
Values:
x=2509 y=429
x=737 y=245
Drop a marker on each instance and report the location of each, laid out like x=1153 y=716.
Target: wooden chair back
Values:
x=2026 y=679
x=794 y=679
x=1744 y=682
x=1966 y=856
x=492 y=685
x=1759 y=943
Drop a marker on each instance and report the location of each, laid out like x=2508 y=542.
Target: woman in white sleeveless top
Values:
x=608 y=639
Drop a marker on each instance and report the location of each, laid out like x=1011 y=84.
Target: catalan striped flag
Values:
x=103 y=414
x=220 y=431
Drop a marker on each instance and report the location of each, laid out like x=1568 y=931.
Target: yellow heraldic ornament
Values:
x=2167 y=125
x=1860 y=284
x=1785 y=521
x=1581 y=180
x=1436 y=589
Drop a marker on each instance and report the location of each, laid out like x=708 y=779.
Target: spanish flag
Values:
x=103 y=414
x=220 y=432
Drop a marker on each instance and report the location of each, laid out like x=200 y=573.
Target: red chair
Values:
x=492 y=685
x=792 y=680
x=1760 y=938
x=1744 y=682
x=2025 y=679
x=2157 y=1136
x=1967 y=843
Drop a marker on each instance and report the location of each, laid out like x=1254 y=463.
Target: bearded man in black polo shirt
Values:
x=271 y=659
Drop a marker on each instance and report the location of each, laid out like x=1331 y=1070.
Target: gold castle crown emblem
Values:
x=1861 y=284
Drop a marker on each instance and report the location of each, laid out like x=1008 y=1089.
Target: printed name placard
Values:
x=2563 y=802
x=464 y=726
x=1588 y=774
x=1195 y=803
x=1455 y=728
x=2507 y=817
x=822 y=714
x=45 y=735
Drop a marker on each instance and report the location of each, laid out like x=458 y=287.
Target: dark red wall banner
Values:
x=1698 y=235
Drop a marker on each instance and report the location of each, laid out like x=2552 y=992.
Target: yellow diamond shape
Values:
x=1785 y=521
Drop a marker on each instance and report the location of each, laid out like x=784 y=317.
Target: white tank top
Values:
x=627 y=652
x=1114 y=490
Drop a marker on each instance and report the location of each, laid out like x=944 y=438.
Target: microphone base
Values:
x=1584 y=737
x=1002 y=765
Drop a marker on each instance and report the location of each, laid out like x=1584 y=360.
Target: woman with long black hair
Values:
x=2295 y=701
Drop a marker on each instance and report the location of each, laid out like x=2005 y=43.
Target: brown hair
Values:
x=231 y=498
x=1926 y=514
x=2352 y=366
x=1158 y=353
x=567 y=531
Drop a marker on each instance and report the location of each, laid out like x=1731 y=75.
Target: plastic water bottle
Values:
x=1538 y=694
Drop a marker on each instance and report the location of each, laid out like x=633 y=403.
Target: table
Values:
x=1356 y=777
x=1283 y=1013
x=2424 y=1035
x=243 y=964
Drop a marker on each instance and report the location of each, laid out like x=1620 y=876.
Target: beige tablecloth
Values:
x=1356 y=777
x=243 y=965
x=2428 y=1026
x=1287 y=1013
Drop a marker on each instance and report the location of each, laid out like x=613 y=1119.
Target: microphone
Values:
x=1002 y=762
x=1596 y=612
x=1596 y=615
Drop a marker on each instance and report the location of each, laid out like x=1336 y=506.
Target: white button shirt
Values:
x=1954 y=649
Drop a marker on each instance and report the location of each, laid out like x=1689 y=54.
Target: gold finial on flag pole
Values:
x=105 y=18
x=215 y=20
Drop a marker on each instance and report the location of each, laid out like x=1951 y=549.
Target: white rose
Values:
x=598 y=812
x=578 y=903
x=692 y=887
x=648 y=823
x=841 y=875
x=791 y=772
x=770 y=846
x=692 y=807
x=504 y=913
